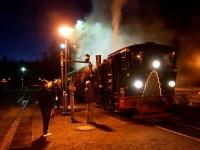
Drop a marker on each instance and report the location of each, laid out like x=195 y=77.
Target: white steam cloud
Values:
x=116 y=18
x=104 y=31
x=114 y=24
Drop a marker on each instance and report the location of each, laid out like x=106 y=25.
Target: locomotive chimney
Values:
x=98 y=60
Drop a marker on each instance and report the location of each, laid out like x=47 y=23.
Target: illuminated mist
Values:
x=189 y=61
x=102 y=33
x=95 y=34
x=114 y=24
x=116 y=17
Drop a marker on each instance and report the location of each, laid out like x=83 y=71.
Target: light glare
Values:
x=65 y=31
x=138 y=84
x=171 y=83
x=62 y=45
x=79 y=24
x=23 y=69
x=156 y=64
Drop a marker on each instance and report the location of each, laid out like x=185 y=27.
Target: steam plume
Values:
x=101 y=36
x=116 y=17
x=138 y=23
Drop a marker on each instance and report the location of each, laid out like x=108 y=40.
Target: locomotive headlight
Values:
x=138 y=84
x=171 y=83
x=156 y=64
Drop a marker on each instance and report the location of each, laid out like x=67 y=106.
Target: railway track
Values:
x=175 y=125
x=182 y=127
x=10 y=119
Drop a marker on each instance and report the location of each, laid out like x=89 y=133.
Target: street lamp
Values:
x=23 y=69
x=65 y=32
x=62 y=46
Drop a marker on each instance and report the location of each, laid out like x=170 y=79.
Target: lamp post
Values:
x=62 y=46
x=64 y=31
x=23 y=69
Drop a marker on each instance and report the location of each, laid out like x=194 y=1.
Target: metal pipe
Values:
x=62 y=69
x=65 y=101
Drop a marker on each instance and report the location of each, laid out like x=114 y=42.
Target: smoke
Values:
x=95 y=34
x=114 y=24
x=189 y=56
x=116 y=18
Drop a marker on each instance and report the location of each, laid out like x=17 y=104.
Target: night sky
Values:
x=29 y=27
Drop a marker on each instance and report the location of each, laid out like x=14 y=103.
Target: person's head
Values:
x=88 y=83
x=44 y=84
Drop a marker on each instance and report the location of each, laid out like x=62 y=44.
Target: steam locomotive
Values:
x=139 y=78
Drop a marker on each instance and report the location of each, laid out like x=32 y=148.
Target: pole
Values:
x=62 y=69
x=90 y=68
x=22 y=79
x=72 y=89
x=22 y=82
x=65 y=101
x=63 y=82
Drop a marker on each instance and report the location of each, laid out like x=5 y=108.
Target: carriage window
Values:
x=123 y=60
x=136 y=58
x=139 y=56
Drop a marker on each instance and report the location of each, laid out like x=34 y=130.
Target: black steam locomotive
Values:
x=139 y=78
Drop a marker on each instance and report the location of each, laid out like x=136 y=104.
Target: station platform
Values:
x=66 y=134
x=107 y=133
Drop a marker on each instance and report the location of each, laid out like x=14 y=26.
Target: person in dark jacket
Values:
x=90 y=99
x=45 y=101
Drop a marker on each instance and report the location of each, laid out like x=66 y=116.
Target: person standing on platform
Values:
x=90 y=99
x=45 y=100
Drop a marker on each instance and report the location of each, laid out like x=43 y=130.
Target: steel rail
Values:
x=180 y=124
x=7 y=139
x=184 y=135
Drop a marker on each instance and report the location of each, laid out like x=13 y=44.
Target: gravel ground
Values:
x=109 y=134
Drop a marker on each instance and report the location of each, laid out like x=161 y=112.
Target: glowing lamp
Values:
x=138 y=84
x=171 y=83
x=23 y=69
x=65 y=31
x=62 y=45
x=138 y=56
x=156 y=64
